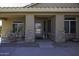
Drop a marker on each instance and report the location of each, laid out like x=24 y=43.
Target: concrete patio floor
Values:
x=44 y=49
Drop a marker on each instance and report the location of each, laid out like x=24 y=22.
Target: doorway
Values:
x=43 y=28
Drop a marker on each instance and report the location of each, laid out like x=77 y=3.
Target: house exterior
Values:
x=48 y=21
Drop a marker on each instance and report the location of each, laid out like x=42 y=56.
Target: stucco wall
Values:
x=6 y=26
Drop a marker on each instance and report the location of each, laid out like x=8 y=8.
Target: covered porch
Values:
x=30 y=27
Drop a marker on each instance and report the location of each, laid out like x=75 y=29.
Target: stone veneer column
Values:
x=29 y=28
x=60 y=36
x=77 y=26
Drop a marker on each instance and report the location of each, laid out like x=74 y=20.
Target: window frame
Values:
x=69 y=24
x=17 y=27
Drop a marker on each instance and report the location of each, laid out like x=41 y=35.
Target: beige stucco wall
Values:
x=7 y=24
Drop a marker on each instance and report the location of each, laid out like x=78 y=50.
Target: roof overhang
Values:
x=39 y=9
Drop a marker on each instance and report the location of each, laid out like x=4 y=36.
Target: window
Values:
x=18 y=27
x=70 y=24
x=66 y=26
x=14 y=28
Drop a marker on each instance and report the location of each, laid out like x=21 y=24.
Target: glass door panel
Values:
x=38 y=29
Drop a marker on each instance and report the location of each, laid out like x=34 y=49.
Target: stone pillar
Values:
x=29 y=28
x=60 y=35
x=77 y=26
